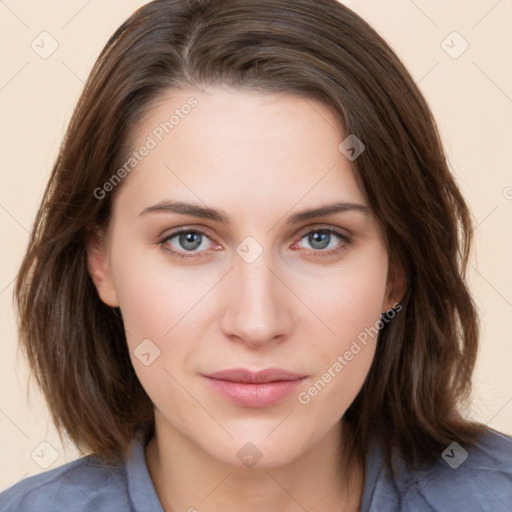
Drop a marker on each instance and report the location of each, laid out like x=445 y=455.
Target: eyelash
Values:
x=345 y=240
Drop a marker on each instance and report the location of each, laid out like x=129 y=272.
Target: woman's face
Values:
x=256 y=281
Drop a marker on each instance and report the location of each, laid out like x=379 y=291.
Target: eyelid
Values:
x=187 y=229
x=342 y=232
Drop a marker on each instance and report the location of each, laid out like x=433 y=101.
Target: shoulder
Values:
x=83 y=484
x=476 y=478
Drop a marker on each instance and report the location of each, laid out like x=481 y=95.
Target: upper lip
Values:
x=262 y=376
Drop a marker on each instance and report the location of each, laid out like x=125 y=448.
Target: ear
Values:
x=98 y=266
x=396 y=286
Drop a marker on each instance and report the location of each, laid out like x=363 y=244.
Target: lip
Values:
x=255 y=389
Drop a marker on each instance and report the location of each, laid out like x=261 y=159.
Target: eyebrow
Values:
x=220 y=216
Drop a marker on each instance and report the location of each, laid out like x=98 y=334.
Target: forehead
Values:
x=246 y=149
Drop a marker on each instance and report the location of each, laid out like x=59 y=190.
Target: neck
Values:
x=188 y=479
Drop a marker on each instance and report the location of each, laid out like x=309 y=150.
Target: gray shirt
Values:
x=476 y=479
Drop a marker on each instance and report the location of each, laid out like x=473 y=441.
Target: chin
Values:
x=257 y=451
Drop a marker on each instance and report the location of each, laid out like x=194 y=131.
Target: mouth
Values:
x=255 y=389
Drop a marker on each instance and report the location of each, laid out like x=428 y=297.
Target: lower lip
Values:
x=255 y=395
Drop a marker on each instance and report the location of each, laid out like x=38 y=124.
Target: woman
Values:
x=245 y=287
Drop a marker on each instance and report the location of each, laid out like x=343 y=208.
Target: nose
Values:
x=257 y=310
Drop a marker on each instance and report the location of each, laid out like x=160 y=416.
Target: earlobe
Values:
x=97 y=265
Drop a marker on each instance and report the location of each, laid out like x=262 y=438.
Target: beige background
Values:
x=471 y=96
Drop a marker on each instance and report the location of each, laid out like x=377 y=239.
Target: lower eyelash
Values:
x=176 y=253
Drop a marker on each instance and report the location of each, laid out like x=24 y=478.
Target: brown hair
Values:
x=319 y=49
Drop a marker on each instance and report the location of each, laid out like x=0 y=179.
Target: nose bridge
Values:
x=256 y=310
x=256 y=282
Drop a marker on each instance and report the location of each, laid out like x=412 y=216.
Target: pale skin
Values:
x=260 y=159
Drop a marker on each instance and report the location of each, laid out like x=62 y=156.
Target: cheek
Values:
x=164 y=309
x=157 y=304
x=349 y=299
x=350 y=307
x=155 y=295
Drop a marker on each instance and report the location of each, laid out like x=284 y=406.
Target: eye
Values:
x=191 y=241
x=325 y=241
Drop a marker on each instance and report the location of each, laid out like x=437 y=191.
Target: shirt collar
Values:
x=141 y=490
